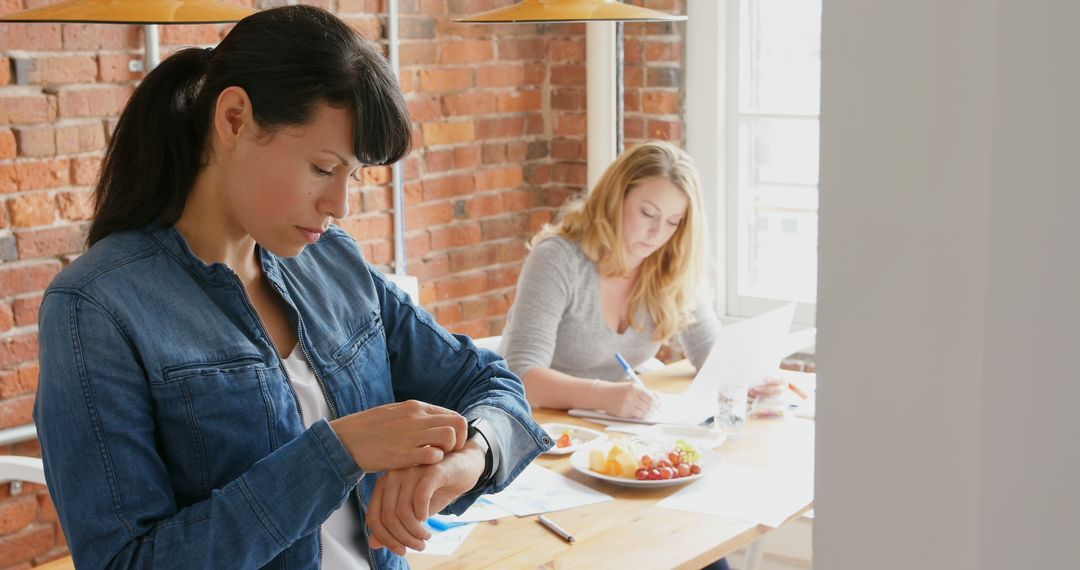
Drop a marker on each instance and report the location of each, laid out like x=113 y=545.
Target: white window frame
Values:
x=712 y=136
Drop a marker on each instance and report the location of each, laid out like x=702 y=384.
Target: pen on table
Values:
x=797 y=390
x=555 y=528
x=440 y=525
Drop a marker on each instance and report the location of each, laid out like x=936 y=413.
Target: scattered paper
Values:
x=751 y=494
x=748 y=350
x=481 y=510
x=445 y=542
x=676 y=409
x=541 y=490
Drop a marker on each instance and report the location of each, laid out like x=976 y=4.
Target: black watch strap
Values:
x=486 y=476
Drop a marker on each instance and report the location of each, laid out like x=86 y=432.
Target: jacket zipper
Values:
x=284 y=370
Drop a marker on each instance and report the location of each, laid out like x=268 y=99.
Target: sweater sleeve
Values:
x=697 y=338
x=544 y=292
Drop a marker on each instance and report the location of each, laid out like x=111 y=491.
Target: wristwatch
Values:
x=477 y=427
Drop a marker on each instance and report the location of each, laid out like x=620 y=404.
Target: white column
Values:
x=601 y=94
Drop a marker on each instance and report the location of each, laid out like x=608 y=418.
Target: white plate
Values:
x=580 y=461
x=579 y=435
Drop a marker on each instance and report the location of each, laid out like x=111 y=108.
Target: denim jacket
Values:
x=171 y=435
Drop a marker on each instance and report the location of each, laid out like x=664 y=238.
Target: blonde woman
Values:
x=620 y=271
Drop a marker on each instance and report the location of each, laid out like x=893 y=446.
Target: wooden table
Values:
x=631 y=532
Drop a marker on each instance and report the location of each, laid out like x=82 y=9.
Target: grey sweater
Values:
x=557 y=322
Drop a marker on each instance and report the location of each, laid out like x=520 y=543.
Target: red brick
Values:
x=372 y=226
x=494 y=153
x=447 y=187
x=36 y=141
x=411 y=27
x=362 y=6
x=634 y=128
x=26 y=278
x=379 y=252
x=523 y=48
x=572 y=75
x=373 y=175
x=429 y=215
x=407 y=81
x=113 y=67
x=519 y=102
x=665 y=130
x=663 y=51
x=14 y=350
x=25 y=310
x=93 y=101
x=500 y=178
x=557 y=197
x=448 y=314
x=418 y=244
x=190 y=35
x=519 y=200
x=442 y=80
x=566 y=50
x=537 y=173
x=458 y=235
x=448 y=133
x=371 y=27
x=101 y=36
x=8 y=148
x=16 y=513
x=475 y=329
x=517 y=151
x=28 y=376
x=7 y=317
x=568 y=99
x=56 y=69
x=37 y=209
x=466 y=51
x=504 y=227
x=535 y=73
x=661 y=103
x=5 y=71
x=570 y=173
x=466 y=157
x=468 y=103
x=418 y=53
x=51 y=242
x=663 y=77
x=424 y=109
x=21 y=107
x=31 y=37
x=427 y=269
x=84 y=170
x=567 y=149
x=633 y=50
x=484 y=206
x=472 y=257
x=438 y=161
x=458 y=286
x=631 y=101
x=512 y=75
x=500 y=128
x=535 y=124
x=77 y=205
x=570 y=124
x=84 y=137
x=24 y=545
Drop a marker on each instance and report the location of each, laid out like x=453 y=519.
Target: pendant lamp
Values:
x=564 y=11
x=148 y=12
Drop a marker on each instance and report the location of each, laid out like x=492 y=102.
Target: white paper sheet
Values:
x=445 y=542
x=541 y=490
x=676 y=409
x=751 y=494
x=481 y=510
x=749 y=350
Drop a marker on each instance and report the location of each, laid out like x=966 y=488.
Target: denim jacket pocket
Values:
x=364 y=363
x=215 y=421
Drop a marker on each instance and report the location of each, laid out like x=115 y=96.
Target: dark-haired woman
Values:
x=225 y=382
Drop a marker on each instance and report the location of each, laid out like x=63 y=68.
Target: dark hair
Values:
x=289 y=60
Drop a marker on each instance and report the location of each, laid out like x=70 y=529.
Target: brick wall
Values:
x=499 y=121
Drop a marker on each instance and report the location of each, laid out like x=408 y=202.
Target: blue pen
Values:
x=440 y=525
x=629 y=371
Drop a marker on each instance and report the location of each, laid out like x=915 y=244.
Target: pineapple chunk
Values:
x=597 y=461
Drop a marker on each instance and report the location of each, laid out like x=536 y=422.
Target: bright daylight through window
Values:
x=775 y=153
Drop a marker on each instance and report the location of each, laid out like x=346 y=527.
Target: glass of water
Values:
x=730 y=407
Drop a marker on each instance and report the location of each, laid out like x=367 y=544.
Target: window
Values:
x=765 y=138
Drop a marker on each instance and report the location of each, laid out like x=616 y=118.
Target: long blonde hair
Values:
x=669 y=277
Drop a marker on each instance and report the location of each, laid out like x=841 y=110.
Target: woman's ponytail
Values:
x=153 y=157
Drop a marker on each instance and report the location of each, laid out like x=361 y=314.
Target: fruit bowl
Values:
x=580 y=460
x=579 y=436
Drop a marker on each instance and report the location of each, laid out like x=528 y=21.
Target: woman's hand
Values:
x=401 y=435
x=769 y=389
x=627 y=399
x=404 y=498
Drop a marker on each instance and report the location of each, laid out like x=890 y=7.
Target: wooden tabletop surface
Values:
x=631 y=531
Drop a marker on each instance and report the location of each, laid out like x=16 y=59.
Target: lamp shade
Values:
x=134 y=12
x=562 y=11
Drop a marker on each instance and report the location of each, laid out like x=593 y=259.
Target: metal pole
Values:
x=600 y=96
x=400 y=259
x=151 y=52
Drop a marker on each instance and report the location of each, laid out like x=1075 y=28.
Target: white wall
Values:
x=948 y=296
